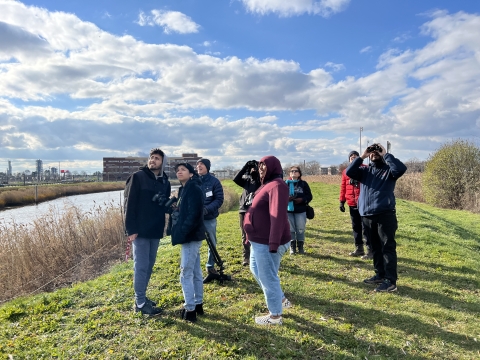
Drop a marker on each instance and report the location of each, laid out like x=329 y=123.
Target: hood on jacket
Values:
x=274 y=168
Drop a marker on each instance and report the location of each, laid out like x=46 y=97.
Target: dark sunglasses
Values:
x=294 y=171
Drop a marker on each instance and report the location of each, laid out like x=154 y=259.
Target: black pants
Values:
x=357 y=227
x=246 y=247
x=380 y=229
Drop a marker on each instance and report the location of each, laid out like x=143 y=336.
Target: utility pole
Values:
x=361 y=129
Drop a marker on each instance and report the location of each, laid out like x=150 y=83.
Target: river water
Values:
x=27 y=214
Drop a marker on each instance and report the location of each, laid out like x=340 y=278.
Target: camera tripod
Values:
x=221 y=277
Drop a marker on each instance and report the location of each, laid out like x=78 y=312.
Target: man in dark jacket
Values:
x=213 y=199
x=376 y=205
x=249 y=180
x=349 y=193
x=145 y=194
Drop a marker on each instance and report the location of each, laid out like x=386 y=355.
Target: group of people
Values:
x=272 y=217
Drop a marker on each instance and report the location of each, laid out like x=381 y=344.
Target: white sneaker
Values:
x=267 y=320
x=286 y=304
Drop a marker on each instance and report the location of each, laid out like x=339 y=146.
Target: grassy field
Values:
x=434 y=315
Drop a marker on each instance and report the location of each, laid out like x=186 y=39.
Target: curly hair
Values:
x=157 y=151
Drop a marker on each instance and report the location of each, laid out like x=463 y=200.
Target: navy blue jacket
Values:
x=142 y=215
x=213 y=195
x=189 y=225
x=377 y=183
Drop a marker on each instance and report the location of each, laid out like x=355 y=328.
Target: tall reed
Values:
x=59 y=248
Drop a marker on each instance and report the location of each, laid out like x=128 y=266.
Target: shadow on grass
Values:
x=454 y=228
x=370 y=318
x=404 y=290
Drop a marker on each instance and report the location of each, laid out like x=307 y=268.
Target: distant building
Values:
x=331 y=170
x=39 y=169
x=120 y=168
x=9 y=169
x=225 y=174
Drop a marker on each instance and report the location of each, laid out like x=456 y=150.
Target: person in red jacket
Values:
x=268 y=231
x=349 y=193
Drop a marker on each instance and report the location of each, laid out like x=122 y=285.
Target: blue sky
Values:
x=235 y=80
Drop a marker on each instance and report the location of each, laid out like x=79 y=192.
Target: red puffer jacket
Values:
x=349 y=192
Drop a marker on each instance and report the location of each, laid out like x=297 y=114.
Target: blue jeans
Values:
x=264 y=266
x=211 y=227
x=144 y=255
x=297 y=222
x=191 y=274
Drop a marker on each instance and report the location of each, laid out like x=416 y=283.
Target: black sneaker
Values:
x=150 y=301
x=148 y=309
x=358 y=252
x=199 y=309
x=188 y=315
x=374 y=280
x=386 y=286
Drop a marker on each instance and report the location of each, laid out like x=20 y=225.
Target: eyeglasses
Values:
x=294 y=171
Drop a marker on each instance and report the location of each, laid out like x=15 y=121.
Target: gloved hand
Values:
x=342 y=206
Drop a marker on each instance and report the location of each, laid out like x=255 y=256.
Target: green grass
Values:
x=434 y=315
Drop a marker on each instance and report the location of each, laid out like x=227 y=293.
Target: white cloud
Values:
x=116 y=86
x=366 y=49
x=171 y=21
x=335 y=67
x=284 y=8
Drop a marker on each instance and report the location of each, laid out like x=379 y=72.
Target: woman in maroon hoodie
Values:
x=268 y=231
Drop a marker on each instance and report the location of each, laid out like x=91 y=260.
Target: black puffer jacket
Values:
x=142 y=215
x=188 y=225
x=249 y=182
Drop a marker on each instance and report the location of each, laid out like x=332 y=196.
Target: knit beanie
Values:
x=205 y=162
x=351 y=153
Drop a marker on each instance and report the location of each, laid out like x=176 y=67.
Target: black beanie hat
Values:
x=189 y=167
x=205 y=162
x=351 y=153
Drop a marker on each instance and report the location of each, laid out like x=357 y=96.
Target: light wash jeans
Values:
x=144 y=255
x=211 y=227
x=298 y=222
x=264 y=266
x=191 y=274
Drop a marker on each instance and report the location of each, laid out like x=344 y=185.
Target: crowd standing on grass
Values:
x=349 y=193
x=376 y=205
x=145 y=192
x=272 y=217
x=213 y=200
x=299 y=196
x=188 y=230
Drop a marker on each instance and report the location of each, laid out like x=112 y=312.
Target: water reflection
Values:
x=27 y=214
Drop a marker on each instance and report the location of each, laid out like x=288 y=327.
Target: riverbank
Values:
x=25 y=195
x=435 y=314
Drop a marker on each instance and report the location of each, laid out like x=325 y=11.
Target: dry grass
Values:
x=24 y=195
x=326 y=179
x=65 y=246
x=409 y=187
x=60 y=248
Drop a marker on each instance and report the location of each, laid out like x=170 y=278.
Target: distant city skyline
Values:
x=235 y=80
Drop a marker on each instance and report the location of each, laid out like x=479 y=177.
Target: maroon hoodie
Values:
x=266 y=221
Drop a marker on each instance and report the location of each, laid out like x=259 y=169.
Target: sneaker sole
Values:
x=382 y=291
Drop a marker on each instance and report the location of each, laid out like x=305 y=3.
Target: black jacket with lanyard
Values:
x=142 y=215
